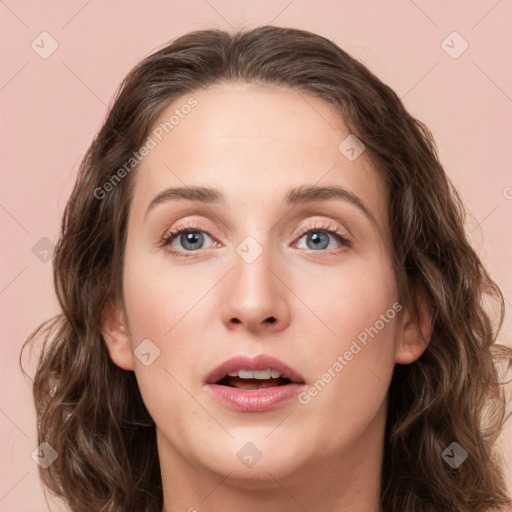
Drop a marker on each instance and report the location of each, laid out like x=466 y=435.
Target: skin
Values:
x=254 y=143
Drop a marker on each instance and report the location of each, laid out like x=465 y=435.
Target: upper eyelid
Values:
x=320 y=225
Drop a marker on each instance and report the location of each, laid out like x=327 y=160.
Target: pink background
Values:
x=51 y=109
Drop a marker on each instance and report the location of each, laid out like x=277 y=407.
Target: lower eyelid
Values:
x=344 y=241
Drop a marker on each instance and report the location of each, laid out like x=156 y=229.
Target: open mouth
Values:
x=251 y=383
x=259 y=384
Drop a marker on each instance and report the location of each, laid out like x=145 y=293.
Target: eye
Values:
x=318 y=238
x=191 y=237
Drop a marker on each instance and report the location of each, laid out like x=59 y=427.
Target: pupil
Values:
x=192 y=238
x=315 y=237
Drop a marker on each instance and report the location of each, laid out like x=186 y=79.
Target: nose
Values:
x=256 y=297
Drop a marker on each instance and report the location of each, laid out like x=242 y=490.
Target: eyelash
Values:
x=325 y=227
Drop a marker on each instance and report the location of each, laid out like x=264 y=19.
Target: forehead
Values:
x=253 y=142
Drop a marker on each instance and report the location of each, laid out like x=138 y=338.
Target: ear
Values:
x=116 y=336
x=414 y=336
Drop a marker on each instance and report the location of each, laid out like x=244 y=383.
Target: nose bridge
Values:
x=256 y=295
x=254 y=283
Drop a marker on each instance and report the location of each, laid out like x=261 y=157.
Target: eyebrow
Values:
x=295 y=196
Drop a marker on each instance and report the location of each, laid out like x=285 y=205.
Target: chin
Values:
x=256 y=464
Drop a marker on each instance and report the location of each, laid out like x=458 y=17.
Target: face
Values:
x=261 y=270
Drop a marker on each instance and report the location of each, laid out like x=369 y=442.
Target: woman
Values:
x=268 y=298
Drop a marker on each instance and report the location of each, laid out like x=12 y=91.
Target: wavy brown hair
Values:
x=90 y=410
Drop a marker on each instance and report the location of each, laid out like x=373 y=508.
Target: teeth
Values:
x=256 y=374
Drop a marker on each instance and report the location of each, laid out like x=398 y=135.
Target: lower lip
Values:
x=254 y=400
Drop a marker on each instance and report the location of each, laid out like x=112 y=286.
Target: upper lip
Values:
x=260 y=362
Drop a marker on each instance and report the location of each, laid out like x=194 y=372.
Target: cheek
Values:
x=348 y=299
x=157 y=296
x=157 y=307
x=162 y=305
x=352 y=359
